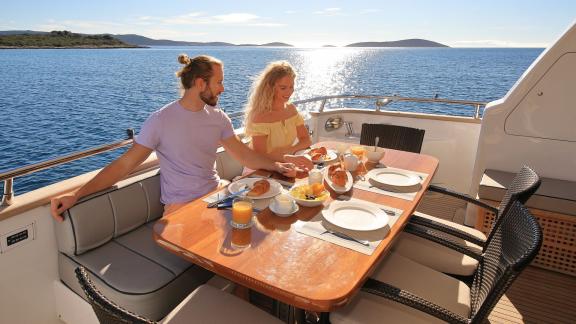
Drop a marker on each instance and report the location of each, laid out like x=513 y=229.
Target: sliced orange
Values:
x=317 y=189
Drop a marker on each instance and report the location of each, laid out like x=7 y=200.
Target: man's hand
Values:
x=300 y=161
x=60 y=205
x=287 y=169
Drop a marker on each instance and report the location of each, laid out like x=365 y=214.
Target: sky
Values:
x=304 y=23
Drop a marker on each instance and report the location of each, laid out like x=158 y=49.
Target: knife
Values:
x=346 y=237
x=215 y=203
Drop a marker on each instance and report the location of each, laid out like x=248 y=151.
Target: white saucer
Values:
x=272 y=207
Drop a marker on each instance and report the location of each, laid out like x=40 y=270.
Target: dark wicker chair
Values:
x=515 y=243
x=106 y=310
x=393 y=137
x=524 y=185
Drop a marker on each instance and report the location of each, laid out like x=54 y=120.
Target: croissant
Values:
x=316 y=156
x=260 y=187
x=333 y=168
x=322 y=150
x=339 y=178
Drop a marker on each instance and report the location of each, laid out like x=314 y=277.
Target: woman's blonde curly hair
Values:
x=262 y=92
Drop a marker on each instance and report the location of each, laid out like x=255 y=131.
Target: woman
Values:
x=274 y=124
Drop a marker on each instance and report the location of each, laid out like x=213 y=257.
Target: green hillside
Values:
x=61 y=39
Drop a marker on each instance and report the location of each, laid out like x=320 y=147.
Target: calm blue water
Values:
x=54 y=102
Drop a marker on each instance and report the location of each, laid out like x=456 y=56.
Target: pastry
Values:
x=259 y=188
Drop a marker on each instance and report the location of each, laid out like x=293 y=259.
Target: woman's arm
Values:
x=281 y=155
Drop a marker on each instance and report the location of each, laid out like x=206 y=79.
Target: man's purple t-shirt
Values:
x=185 y=143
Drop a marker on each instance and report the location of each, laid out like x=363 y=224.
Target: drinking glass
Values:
x=241 y=238
x=358 y=151
x=241 y=212
x=315 y=176
x=342 y=148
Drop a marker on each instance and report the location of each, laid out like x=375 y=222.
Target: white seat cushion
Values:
x=408 y=275
x=436 y=256
x=210 y=305
x=439 y=257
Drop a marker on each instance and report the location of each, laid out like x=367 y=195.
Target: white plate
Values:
x=393 y=178
x=329 y=157
x=274 y=209
x=275 y=187
x=355 y=216
x=339 y=189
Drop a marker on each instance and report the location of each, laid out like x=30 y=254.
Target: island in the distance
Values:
x=401 y=43
x=66 y=39
x=145 y=41
x=61 y=39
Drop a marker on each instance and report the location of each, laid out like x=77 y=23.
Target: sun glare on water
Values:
x=324 y=71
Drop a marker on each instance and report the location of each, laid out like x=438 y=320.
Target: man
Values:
x=185 y=135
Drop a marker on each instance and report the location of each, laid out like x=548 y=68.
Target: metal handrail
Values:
x=8 y=177
x=382 y=101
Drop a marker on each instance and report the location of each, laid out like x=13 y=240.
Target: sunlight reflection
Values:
x=324 y=71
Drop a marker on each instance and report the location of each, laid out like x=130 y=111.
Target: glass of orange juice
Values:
x=241 y=212
x=358 y=151
x=241 y=238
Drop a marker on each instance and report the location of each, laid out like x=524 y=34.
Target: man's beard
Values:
x=208 y=97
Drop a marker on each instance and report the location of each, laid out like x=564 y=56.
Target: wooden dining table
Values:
x=280 y=262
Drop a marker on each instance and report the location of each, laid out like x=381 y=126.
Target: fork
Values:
x=346 y=237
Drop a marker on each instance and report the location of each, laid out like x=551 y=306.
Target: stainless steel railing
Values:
x=379 y=102
x=8 y=177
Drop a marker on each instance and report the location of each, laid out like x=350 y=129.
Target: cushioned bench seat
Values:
x=553 y=195
x=110 y=234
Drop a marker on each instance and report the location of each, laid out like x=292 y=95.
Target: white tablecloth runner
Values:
x=317 y=226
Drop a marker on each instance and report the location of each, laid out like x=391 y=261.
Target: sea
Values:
x=55 y=102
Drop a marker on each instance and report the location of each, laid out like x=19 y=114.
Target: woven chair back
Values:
x=106 y=310
x=524 y=185
x=392 y=136
x=516 y=241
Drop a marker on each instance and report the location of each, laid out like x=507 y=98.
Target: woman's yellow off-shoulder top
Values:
x=279 y=133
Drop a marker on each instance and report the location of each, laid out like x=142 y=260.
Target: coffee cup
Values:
x=351 y=162
x=284 y=204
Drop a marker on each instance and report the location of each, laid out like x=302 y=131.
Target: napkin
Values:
x=317 y=226
x=257 y=204
x=401 y=193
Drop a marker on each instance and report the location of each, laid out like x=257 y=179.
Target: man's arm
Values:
x=111 y=174
x=254 y=160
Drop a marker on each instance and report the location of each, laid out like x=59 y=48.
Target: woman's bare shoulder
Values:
x=292 y=111
x=265 y=117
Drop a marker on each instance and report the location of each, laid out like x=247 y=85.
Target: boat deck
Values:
x=538 y=296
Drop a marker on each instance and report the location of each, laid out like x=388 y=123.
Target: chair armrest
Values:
x=461 y=196
x=415 y=219
x=440 y=238
x=398 y=295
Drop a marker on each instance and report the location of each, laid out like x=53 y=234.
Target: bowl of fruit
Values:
x=309 y=195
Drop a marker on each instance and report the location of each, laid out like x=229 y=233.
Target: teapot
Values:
x=351 y=162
